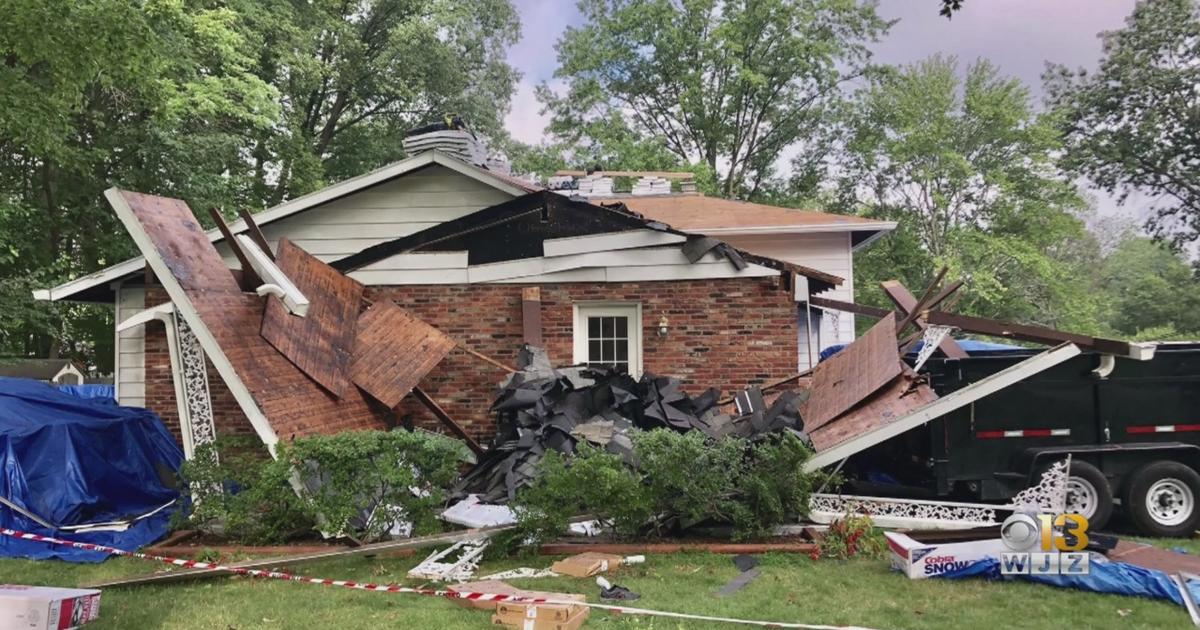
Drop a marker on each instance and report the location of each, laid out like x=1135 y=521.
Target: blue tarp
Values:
x=968 y=345
x=1117 y=578
x=90 y=391
x=72 y=461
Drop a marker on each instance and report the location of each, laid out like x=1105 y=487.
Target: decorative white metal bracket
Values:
x=929 y=343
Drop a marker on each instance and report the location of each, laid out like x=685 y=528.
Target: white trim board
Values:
x=299 y=204
x=184 y=308
x=629 y=239
x=944 y=405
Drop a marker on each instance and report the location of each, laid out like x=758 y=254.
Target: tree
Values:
x=1147 y=286
x=1134 y=124
x=355 y=76
x=967 y=170
x=729 y=84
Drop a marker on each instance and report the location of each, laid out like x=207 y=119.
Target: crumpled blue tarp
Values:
x=72 y=461
x=98 y=391
x=1104 y=576
x=968 y=346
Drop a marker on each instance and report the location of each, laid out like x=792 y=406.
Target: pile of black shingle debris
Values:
x=541 y=408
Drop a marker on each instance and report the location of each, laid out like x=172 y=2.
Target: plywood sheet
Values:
x=850 y=376
x=894 y=400
x=207 y=294
x=181 y=243
x=293 y=404
x=322 y=343
x=393 y=351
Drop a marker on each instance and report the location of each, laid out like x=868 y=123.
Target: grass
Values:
x=791 y=588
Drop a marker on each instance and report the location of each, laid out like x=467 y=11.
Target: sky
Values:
x=1019 y=36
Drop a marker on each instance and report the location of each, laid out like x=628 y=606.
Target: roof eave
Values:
x=875 y=226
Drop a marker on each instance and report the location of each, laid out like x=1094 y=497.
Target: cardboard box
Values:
x=539 y=623
x=516 y=612
x=46 y=608
x=501 y=588
x=586 y=564
x=928 y=557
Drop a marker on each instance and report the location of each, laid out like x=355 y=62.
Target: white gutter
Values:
x=877 y=226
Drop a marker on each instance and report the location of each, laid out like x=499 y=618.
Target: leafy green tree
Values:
x=353 y=77
x=1147 y=286
x=1134 y=125
x=727 y=84
x=968 y=171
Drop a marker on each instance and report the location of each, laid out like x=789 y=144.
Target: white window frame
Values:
x=632 y=310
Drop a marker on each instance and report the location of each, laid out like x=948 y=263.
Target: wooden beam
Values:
x=851 y=307
x=920 y=305
x=901 y=297
x=531 y=315
x=250 y=277
x=454 y=427
x=255 y=234
x=1039 y=334
x=944 y=405
x=485 y=358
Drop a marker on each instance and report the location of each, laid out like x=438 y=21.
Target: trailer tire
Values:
x=1160 y=499
x=1089 y=486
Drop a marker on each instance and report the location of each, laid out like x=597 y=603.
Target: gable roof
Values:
x=525 y=227
x=95 y=286
x=37 y=369
x=716 y=216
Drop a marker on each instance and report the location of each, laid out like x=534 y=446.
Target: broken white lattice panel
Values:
x=456 y=563
x=1049 y=495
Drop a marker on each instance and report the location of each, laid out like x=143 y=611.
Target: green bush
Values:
x=240 y=493
x=247 y=496
x=592 y=482
x=682 y=477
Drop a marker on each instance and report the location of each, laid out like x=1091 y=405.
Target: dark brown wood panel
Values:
x=322 y=343
x=889 y=403
x=850 y=376
x=393 y=351
x=181 y=243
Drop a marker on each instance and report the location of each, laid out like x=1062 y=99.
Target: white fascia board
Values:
x=591 y=275
x=421 y=260
x=697 y=271
x=109 y=274
x=624 y=258
x=299 y=204
x=944 y=405
x=877 y=226
x=506 y=270
x=271 y=274
x=610 y=241
x=185 y=309
x=387 y=277
x=144 y=317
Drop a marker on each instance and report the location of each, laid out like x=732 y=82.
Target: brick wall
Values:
x=727 y=333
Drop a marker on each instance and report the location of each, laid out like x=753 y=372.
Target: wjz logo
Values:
x=1047 y=544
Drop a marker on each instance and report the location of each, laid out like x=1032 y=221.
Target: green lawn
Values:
x=791 y=588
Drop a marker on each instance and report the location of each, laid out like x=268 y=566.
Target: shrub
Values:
x=680 y=476
x=241 y=494
x=360 y=483
x=592 y=482
x=850 y=536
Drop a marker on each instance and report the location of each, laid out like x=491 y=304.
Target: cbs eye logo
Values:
x=1022 y=532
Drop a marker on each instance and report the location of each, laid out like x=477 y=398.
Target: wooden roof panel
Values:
x=393 y=351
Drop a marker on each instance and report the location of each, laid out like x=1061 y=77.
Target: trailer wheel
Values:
x=1161 y=499
x=1089 y=494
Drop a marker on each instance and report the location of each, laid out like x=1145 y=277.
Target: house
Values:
x=609 y=285
x=57 y=371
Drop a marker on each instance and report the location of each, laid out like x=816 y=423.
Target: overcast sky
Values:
x=1019 y=36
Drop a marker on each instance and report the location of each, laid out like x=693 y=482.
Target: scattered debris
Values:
x=748 y=566
x=586 y=564
x=1181 y=580
x=542 y=409
x=608 y=590
x=470 y=512
x=540 y=616
x=521 y=573
x=497 y=587
x=930 y=556
x=456 y=563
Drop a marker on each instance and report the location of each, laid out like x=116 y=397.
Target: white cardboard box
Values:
x=46 y=608
x=919 y=560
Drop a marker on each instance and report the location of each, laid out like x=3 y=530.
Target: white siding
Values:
x=829 y=252
x=390 y=210
x=130 y=361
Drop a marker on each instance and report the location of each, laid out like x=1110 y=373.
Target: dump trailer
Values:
x=1132 y=429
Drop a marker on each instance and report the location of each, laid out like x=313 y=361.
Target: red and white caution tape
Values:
x=395 y=588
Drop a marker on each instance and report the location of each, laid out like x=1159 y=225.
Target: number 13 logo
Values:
x=1073 y=525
